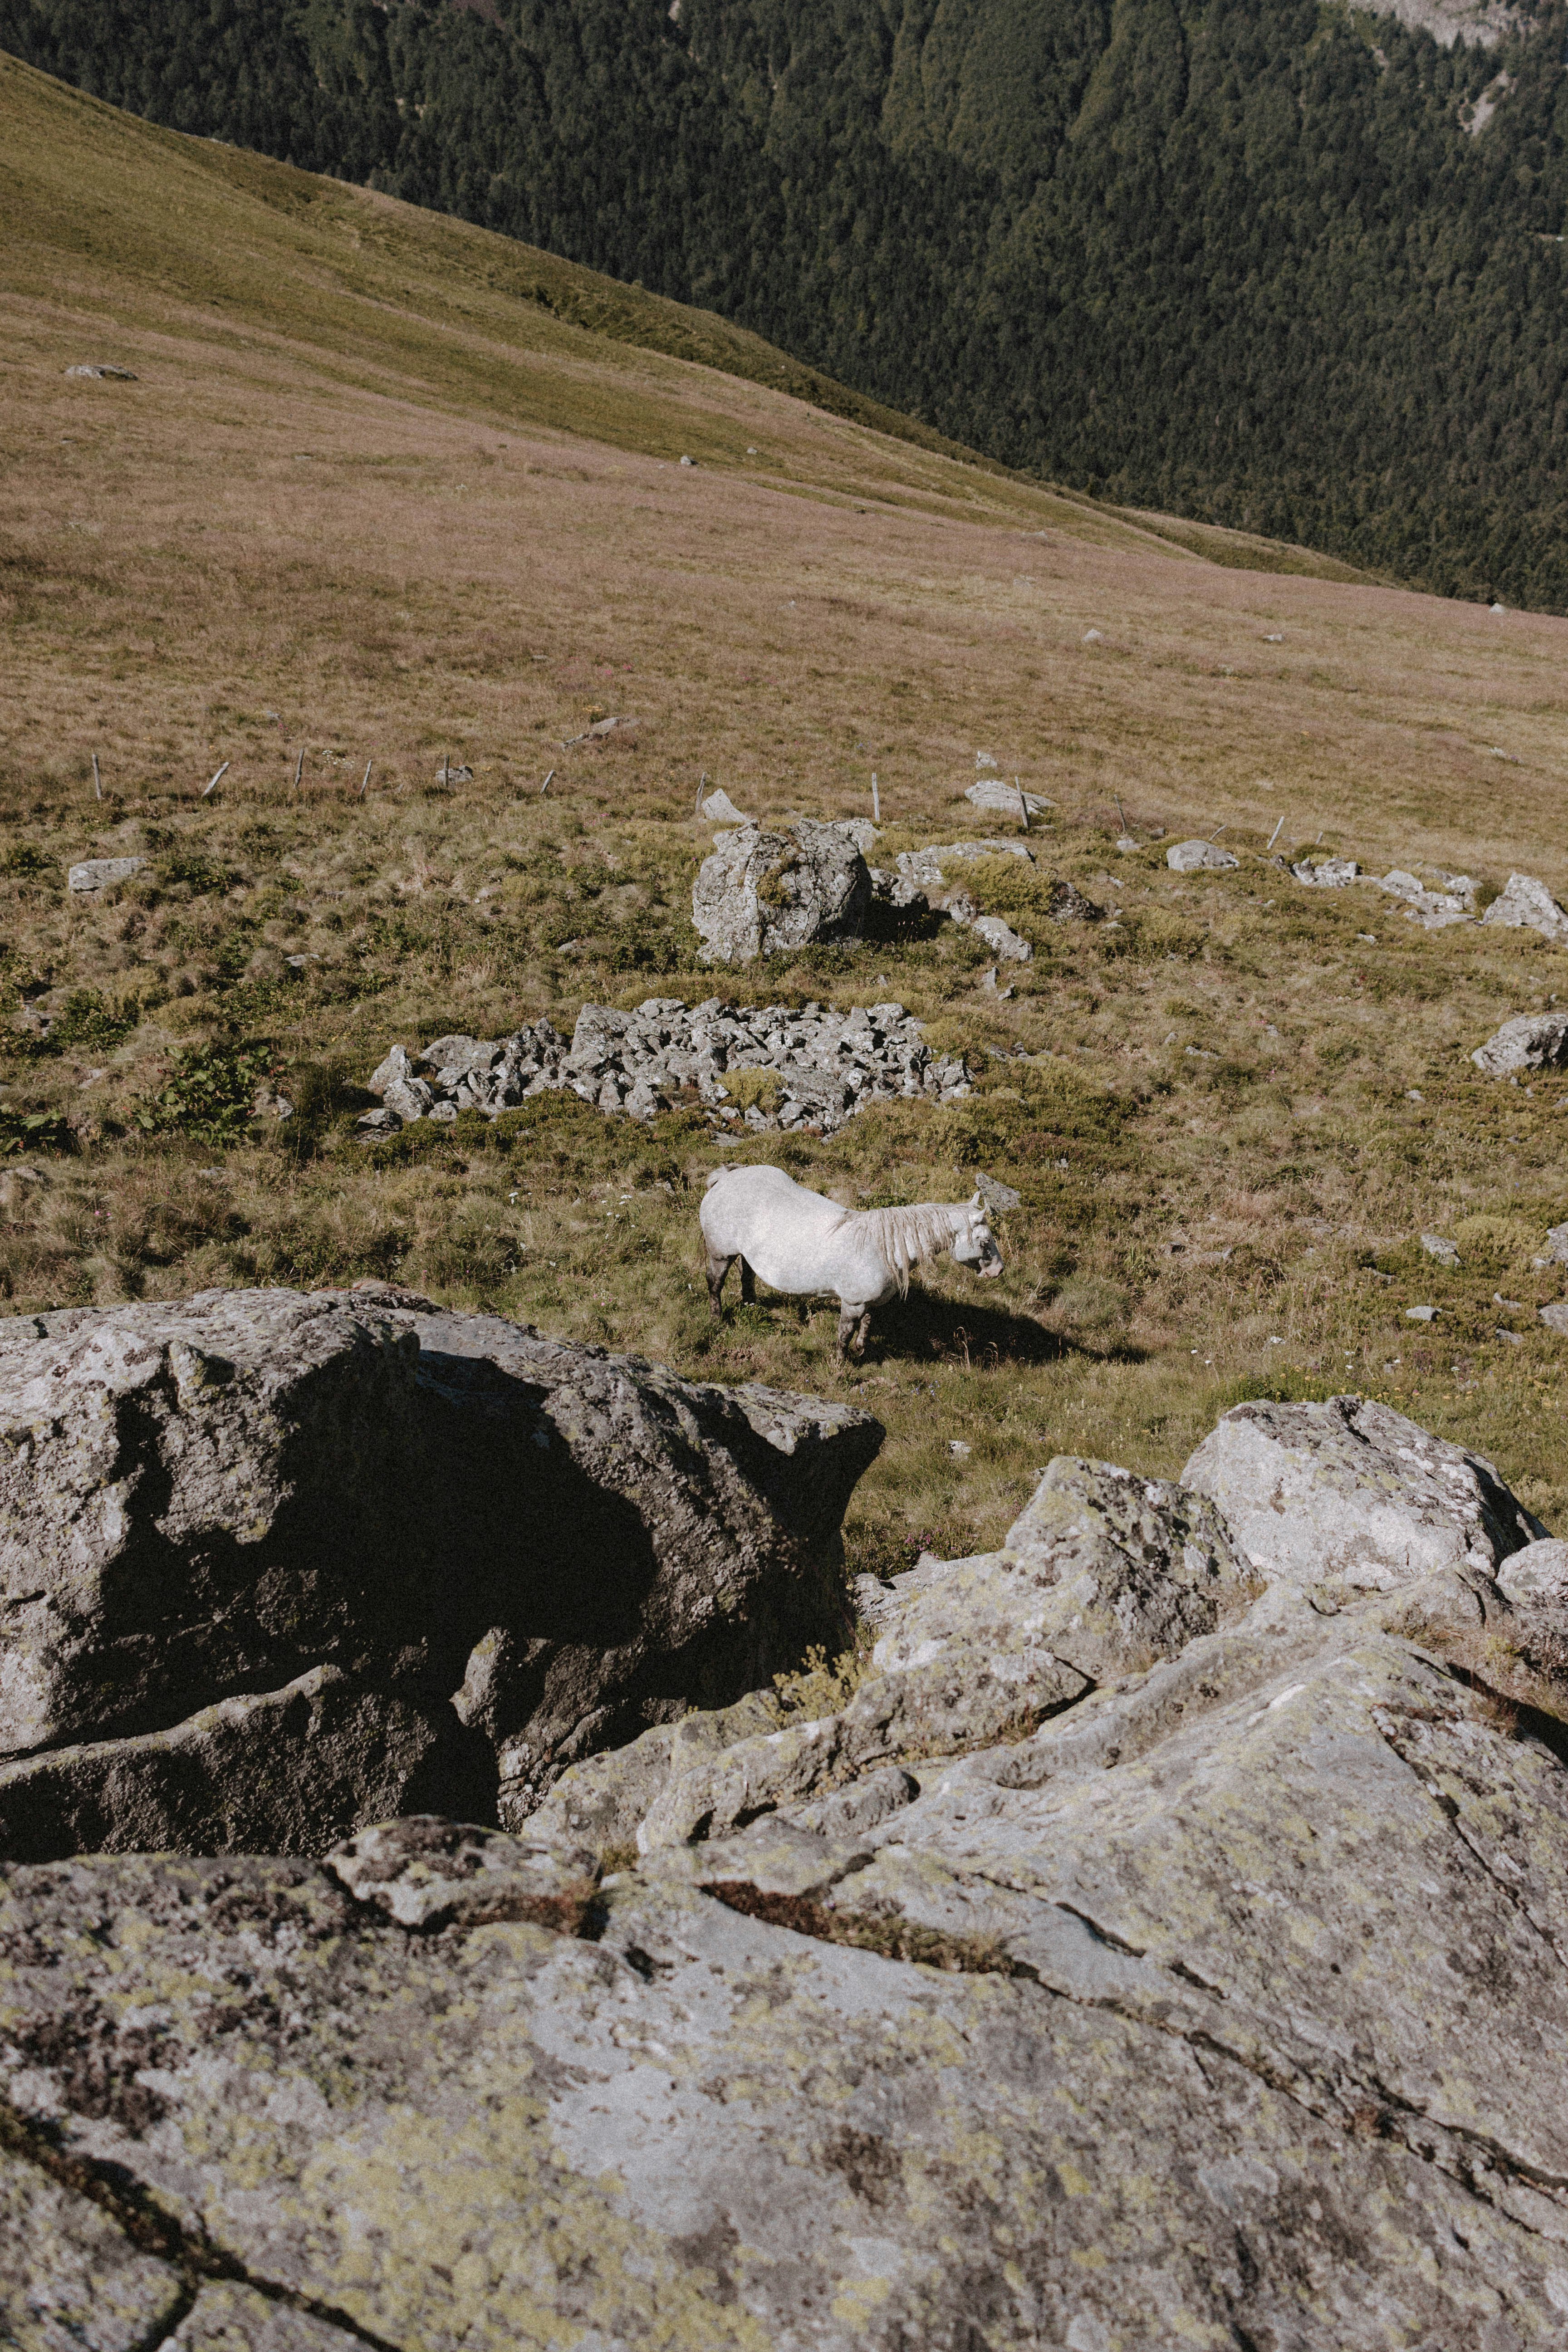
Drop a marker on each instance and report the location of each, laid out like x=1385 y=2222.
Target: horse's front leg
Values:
x=848 y=1317
x=718 y=1269
x=862 y=1332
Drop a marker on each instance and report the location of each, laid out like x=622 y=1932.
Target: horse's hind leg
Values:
x=848 y=1319
x=748 y=1284
x=718 y=1269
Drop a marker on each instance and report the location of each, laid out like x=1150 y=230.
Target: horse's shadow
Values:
x=928 y=1328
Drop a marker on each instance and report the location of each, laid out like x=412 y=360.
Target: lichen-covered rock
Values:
x=70 y=2280
x=1530 y=1041
x=101 y=873
x=1351 y=1492
x=763 y=893
x=276 y=1565
x=1529 y=904
x=1225 y=2007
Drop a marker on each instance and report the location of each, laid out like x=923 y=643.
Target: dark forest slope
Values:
x=1247 y=263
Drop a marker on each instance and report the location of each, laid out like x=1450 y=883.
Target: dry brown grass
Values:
x=363 y=501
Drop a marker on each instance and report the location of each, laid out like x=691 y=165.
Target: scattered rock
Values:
x=1433 y=909
x=1527 y=903
x=763 y=893
x=1327 y=872
x=1126 y=843
x=988 y=980
x=719 y=809
x=1437 y=1245
x=1188 y=856
x=1555 y=1316
x=102 y=873
x=1351 y=1492
x=999 y=1198
x=101 y=373
x=1556 y=1250
x=385 y=1553
x=1070 y=905
x=830 y=1064
x=924 y=869
x=428 y=1874
x=999 y=799
x=860 y=831
x=1002 y=940
x=1531 y=1041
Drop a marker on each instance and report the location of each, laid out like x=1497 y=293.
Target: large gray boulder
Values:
x=763 y=893
x=1526 y=904
x=271 y=1562
x=1222 y=2005
x=1530 y=1041
x=1351 y=1492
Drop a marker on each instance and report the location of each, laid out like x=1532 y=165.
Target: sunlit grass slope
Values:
x=369 y=502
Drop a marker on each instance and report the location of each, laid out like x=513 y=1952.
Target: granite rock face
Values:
x=762 y=893
x=1194 y=856
x=1225 y=2006
x=273 y=1562
x=1351 y=1493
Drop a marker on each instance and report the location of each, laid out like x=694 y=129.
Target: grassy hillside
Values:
x=1289 y=267
x=366 y=502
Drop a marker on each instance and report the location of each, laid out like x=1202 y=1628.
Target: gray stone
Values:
x=394 y=1070
x=269 y=1772
x=998 y=1197
x=1439 y=1246
x=999 y=799
x=1556 y=1250
x=926 y=869
x=763 y=893
x=1002 y=940
x=228 y=2317
x=1190 y=856
x=102 y=373
x=719 y=809
x=102 y=873
x=1530 y=1041
x=467 y=1552
x=1529 y=904
x=1537 y=1572
x=1351 y=1493
x=1069 y=904
x=1555 y=1316
x=1433 y=909
x=1326 y=873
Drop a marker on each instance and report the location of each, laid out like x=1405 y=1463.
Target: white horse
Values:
x=800 y=1243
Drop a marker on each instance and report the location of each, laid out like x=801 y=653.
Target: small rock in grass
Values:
x=1555 y=1316
x=1539 y=1572
x=1420 y=1314
x=1188 y=856
x=1556 y=1251
x=1530 y=1041
x=998 y=1197
x=1002 y=940
x=1328 y=873
x=999 y=799
x=102 y=873
x=102 y=373
x=1444 y=1251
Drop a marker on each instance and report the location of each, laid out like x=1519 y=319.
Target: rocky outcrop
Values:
x=930 y=868
x=1351 y=1492
x=101 y=873
x=1215 y=1997
x=829 y=1065
x=763 y=893
x=1526 y=904
x=1433 y=909
x=1530 y=1041
x=1326 y=873
x=271 y=1559
x=995 y=798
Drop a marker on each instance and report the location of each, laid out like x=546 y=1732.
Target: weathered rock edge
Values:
x=275 y=1562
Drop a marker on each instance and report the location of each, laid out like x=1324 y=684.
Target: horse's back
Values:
x=753 y=1207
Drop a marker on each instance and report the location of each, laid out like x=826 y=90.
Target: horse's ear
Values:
x=978 y=1202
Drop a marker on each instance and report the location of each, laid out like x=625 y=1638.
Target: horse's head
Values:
x=975 y=1245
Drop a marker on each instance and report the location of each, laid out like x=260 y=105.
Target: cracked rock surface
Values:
x=1161 y=1946
x=828 y=1064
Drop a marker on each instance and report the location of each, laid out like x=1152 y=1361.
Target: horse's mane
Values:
x=903 y=1238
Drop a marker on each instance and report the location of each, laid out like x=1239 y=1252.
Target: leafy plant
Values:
x=208 y=1094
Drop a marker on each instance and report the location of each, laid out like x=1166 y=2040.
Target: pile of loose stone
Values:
x=829 y=1065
